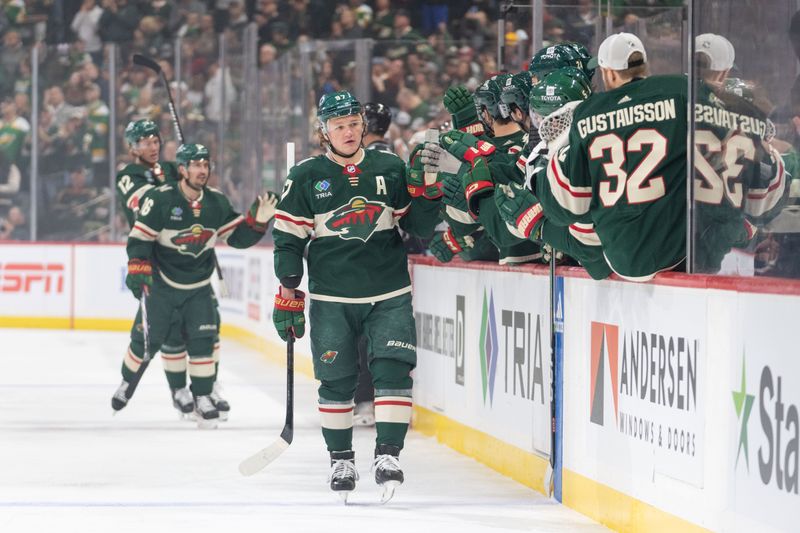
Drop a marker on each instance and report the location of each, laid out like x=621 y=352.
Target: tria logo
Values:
x=605 y=347
x=357 y=219
x=488 y=347
x=192 y=241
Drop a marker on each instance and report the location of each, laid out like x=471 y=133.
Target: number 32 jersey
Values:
x=624 y=171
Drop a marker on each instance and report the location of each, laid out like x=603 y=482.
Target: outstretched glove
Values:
x=140 y=275
x=445 y=245
x=437 y=159
x=262 y=210
x=477 y=182
x=459 y=103
x=520 y=210
x=288 y=314
x=464 y=146
x=415 y=180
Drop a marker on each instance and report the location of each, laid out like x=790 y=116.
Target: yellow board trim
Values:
x=617 y=510
x=44 y=322
x=272 y=350
x=516 y=463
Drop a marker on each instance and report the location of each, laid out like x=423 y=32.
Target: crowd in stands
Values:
x=420 y=49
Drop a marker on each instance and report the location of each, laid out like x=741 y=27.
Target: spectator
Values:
x=72 y=206
x=85 y=24
x=13 y=130
x=237 y=16
x=10 y=180
x=383 y=19
x=266 y=54
x=97 y=117
x=14 y=226
x=348 y=26
x=118 y=21
x=416 y=107
x=13 y=52
x=214 y=110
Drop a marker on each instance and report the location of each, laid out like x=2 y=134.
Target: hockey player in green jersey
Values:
x=145 y=173
x=623 y=169
x=170 y=257
x=551 y=103
x=740 y=178
x=353 y=200
x=134 y=181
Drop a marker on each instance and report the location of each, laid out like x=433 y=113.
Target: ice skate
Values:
x=183 y=401
x=343 y=474
x=118 y=401
x=205 y=412
x=364 y=414
x=388 y=474
x=222 y=405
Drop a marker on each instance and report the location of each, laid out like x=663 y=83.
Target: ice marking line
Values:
x=517 y=503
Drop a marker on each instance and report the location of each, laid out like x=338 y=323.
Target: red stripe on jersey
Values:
x=565 y=185
x=148 y=233
x=334 y=410
x=581 y=230
x=392 y=402
x=772 y=187
x=232 y=226
x=295 y=222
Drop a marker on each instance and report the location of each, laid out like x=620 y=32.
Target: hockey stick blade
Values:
x=259 y=461
x=144 y=61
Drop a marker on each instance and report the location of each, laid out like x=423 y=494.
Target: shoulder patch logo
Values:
x=192 y=241
x=356 y=219
x=329 y=356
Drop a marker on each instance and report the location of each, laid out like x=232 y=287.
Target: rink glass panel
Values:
x=766 y=63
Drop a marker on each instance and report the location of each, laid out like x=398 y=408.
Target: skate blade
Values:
x=186 y=416
x=223 y=416
x=343 y=494
x=207 y=424
x=387 y=490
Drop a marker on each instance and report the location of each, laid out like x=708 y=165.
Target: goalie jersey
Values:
x=624 y=171
x=350 y=215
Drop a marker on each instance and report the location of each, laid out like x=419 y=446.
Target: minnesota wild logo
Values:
x=329 y=356
x=192 y=241
x=357 y=219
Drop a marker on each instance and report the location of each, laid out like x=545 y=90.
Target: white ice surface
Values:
x=67 y=465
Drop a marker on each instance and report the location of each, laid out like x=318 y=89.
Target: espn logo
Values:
x=26 y=277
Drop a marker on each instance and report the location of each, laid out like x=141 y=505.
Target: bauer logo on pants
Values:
x=329 y=356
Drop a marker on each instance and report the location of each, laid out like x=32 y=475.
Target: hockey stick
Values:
x=134 y=382
x=548 y=475
x=146 y=62
x=258 y=461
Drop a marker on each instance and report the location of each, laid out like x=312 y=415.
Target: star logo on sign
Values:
x=743 y=403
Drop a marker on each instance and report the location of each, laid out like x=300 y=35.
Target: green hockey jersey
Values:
x=135 y=180
x=739 y=180
x=179 y=235
x=350 y=214
x=624 y=173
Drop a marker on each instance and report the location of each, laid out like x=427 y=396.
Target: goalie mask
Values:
x=140 y=129
x=553 y=99
x=553 y=58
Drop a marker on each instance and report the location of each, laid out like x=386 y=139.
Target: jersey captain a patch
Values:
x=357 y=219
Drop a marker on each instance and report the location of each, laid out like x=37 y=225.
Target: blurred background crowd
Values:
x=68 y=86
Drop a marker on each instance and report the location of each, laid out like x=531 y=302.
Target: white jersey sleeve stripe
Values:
x=574 y=199
x=759 y=201
x=584 y=233
x=301 y=231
